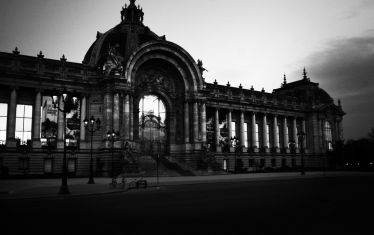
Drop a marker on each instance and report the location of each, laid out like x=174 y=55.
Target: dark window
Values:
x=284 y=162
x=293 y=162
x=251 y=162
x=72 y=164
x=24 y=163
x=262 y=162
x=48 y=165
x=273 y=162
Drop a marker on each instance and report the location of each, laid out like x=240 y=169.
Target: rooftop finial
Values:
x=304 y=74
x=63 y=58
x=284 y=79
x=16 y=51
x=132 y=13
x=40 y=55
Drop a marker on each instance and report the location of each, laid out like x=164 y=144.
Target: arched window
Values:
x=152 y=130
x=328 y=135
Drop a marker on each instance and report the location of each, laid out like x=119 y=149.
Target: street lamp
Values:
x=70 y=101
x=89 y=125
x=111 y=136
x=301 y=136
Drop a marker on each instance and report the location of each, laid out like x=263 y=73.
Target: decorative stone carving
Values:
x=114 y=62
x=154 y=79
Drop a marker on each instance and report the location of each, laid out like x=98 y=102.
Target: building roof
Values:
x=124 y=38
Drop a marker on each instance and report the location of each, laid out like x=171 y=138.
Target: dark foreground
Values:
x=330 y=205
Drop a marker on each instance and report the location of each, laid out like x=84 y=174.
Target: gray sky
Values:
x=253 y=42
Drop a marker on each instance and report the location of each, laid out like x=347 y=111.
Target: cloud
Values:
x=357 y=9
x=346 y=70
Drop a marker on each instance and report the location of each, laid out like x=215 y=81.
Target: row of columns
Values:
x=112 y=114
x=265 y=131
x=36 y=121
x=198 y=122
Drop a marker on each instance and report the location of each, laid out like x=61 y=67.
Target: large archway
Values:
x=152 y=125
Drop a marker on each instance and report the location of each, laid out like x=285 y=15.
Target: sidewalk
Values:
x=44 y=188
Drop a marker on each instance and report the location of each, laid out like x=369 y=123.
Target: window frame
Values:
x=5 y=121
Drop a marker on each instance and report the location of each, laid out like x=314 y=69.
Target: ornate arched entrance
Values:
x=152 y=125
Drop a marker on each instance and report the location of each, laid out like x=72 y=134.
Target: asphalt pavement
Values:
x=40 y=188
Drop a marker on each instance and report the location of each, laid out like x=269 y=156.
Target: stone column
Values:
x=126 y=117
x=335 y=133
x=265 y=137
x=116 y=112
x=131 y=119
x=294 y=132
x=11 y=122
x=241 y=129
x=83 y=116
x=186 y=123
x=303 y=126
x=321 y=134
x=285 y=133
x=108 y=113
x=229 y=127
x=216 y=128
x=275 y=132
x=195 y=122
x=340 y=130
x=203 y=122
x=61 y=125
x=254 y=136
x=36 y=120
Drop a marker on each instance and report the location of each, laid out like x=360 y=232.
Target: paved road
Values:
x=330 y=205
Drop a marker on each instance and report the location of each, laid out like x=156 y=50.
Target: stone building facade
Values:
x=194 y=120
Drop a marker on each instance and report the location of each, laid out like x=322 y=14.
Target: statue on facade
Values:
x=123 y=13
x=200 y=66
x=113 y=62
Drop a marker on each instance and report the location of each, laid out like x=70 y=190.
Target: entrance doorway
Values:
x=152 y=128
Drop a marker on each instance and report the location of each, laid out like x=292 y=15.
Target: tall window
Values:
x=328 y=135
x=233 y=129
x=233 y=134
x=3 y=122
x=268 y=135
x=257 y=136
x=245 y=135
x=23 y=123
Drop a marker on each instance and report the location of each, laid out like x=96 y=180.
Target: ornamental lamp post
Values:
x=301 y=136
x=111 y=136
x=70 y=101
x=90 y=126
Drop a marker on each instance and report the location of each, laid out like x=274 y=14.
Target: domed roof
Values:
x=305 y=91
x=123 y=39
